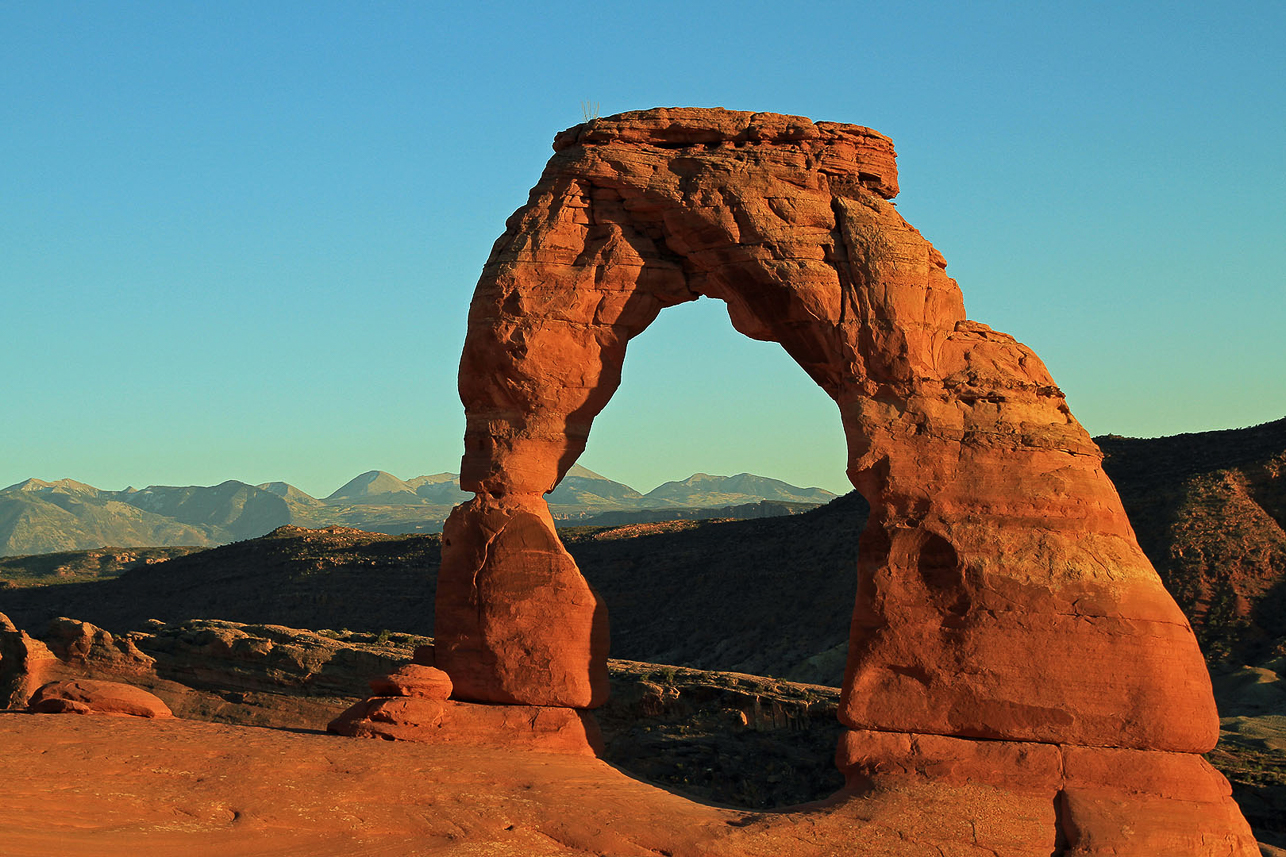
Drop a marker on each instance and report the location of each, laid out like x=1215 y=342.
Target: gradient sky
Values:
x=238 y=239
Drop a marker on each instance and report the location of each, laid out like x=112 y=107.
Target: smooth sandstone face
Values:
x=1002 y=593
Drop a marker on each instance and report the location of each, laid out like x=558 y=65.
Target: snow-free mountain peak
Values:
x=66 y=485
x=369 y=484
x=705 y=489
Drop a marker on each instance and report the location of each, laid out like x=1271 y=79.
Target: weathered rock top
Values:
x=849 y=149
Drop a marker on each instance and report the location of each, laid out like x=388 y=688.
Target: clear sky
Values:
x=238 y=239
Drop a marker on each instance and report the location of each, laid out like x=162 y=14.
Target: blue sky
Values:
x=238 y=240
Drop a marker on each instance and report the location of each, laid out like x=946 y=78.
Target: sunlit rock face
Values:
x=1002 y=594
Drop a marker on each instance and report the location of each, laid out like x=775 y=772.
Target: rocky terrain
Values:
x=667 y=585
x=121 y=787
x=81 y=566
x=1209 y=510
x=38 y=517
x=735 y=739
x=331 y=578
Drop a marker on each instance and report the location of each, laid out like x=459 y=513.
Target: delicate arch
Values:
x=995 y=540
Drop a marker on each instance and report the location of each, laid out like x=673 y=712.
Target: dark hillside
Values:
x=331 y=578
x=1209 y=510
x=760 y=596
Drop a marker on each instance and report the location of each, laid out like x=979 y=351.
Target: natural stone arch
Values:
x=1002 y=593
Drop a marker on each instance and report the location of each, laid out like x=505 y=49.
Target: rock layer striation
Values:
x=1002 y=594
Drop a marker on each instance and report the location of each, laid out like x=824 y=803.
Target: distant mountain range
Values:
x=45 y=517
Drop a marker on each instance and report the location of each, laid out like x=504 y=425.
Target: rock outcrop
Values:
x=25 y=663
x=262 y=675
x=1002 y=594
x=413 y=704
x=1105 y=801
x=542 y=729
x=88 y=696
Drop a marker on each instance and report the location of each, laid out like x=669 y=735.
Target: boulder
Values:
x=207 y=669
x=88 y=696
x=414 y=680
x=25 y=664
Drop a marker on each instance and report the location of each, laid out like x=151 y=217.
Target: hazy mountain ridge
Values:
x=706 y=490
x=43 y=517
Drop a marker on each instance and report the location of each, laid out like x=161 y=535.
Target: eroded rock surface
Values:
x=1002 y=594
x=263 y=675
x=88 y=696
x=543 y=729
x=25 y=664
x=524 y=626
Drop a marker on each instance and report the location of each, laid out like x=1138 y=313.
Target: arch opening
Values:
x=722 y=715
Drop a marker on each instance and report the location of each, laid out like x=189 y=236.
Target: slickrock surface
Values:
x=735 y=739
x=128 y=786
x=1002 y=594
x=725 y=736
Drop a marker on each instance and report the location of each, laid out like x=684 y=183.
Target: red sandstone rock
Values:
x=878 y=758
x=414 y=680
x=25 y=664
x=1138 y=803
x=1135 y=803
x=88 y=696
x=211 y=789
x=89 y=649
x=515 y=620
x=1002 y=592
x=526 y=727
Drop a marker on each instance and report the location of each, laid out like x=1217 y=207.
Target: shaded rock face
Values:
x=1002 y=594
